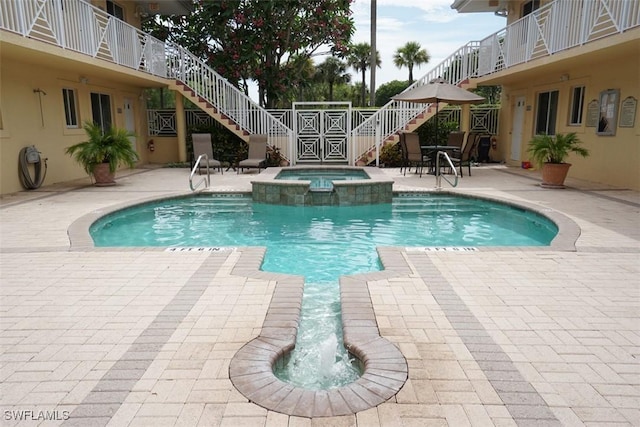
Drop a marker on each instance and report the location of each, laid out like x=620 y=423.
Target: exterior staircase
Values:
x=384 y=127
x=227 y=104
x=208 y=108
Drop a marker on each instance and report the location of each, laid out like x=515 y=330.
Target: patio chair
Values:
x=456 y=139
x=466 y=155
x=413 y=151
x=202 y=145
x=257 y=157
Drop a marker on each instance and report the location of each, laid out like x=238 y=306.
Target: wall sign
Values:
x=593 y=108
x=608 y=119
x=628 y=112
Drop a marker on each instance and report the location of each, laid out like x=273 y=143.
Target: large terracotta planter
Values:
x=554 y=174
x=102 y=176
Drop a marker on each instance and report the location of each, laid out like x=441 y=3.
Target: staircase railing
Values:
x=78 y=26
x=555 y=27
x=227 y=99
x=394 y=116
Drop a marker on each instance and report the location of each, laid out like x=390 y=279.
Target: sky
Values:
x=432 y=23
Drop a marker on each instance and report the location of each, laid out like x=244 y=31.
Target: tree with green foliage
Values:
x=491 y=94
x=332 y=71
x=260 y=39
x=359 y=57
x=388 y=90
x=410 y=55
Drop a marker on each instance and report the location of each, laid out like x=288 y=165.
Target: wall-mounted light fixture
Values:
x=564 y=77
x=503 y=12
x=84 y=80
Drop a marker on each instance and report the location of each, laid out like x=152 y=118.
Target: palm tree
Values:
x=359 y=57
x=332 y=71
x=409 y=55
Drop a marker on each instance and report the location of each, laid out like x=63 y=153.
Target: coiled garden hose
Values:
x=30 y=155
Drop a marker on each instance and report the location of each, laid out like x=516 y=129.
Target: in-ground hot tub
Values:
x=322 y=185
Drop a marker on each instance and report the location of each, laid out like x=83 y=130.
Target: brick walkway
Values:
x=144 y=337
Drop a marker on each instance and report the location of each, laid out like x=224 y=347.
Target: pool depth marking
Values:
x=441 y=249
x=201 y=249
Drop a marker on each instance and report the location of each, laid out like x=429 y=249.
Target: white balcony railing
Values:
x=77 y=26
x=558 y=26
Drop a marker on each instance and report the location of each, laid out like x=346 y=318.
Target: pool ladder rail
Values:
x=439 y=175
x=206 y=179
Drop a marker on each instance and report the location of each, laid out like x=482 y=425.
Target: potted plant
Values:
x=103 y=152
x=550 y=152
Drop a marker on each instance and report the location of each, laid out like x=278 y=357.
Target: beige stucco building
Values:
x=62 y=67
x=556 y=88
x=562 y=65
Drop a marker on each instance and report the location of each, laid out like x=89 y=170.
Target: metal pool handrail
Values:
x=439 y=175
x=206 y=179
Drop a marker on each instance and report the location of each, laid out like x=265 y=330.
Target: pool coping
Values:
x=385 y=367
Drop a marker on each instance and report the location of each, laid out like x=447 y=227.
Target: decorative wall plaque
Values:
x=592 y=114
x=628 y=112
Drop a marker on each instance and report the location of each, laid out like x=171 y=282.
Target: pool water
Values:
x=322 y=243
x=322 y=178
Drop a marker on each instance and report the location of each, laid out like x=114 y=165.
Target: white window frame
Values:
x=71 y=116
x=576 y=107
x=114 y=9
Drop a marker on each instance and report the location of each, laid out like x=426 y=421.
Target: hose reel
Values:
x=31 y=156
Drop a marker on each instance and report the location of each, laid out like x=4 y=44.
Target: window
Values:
x=115 y=10
x=70 y=107
x=529 y=7
x=577 y=106
x=547 y=112
x=101 y=110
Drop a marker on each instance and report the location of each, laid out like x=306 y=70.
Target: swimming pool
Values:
x=322 y=243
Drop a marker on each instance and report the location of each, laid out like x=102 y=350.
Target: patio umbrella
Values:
x=438 y=90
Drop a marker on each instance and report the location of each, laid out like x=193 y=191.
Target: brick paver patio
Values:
x=145 y=337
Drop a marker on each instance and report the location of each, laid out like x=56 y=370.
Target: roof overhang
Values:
x=164 y=7
x=475 y=6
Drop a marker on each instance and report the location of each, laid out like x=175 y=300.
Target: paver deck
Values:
x=145 y=337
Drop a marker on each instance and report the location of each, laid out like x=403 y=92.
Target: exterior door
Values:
x=130 y=120
x=516 y=128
